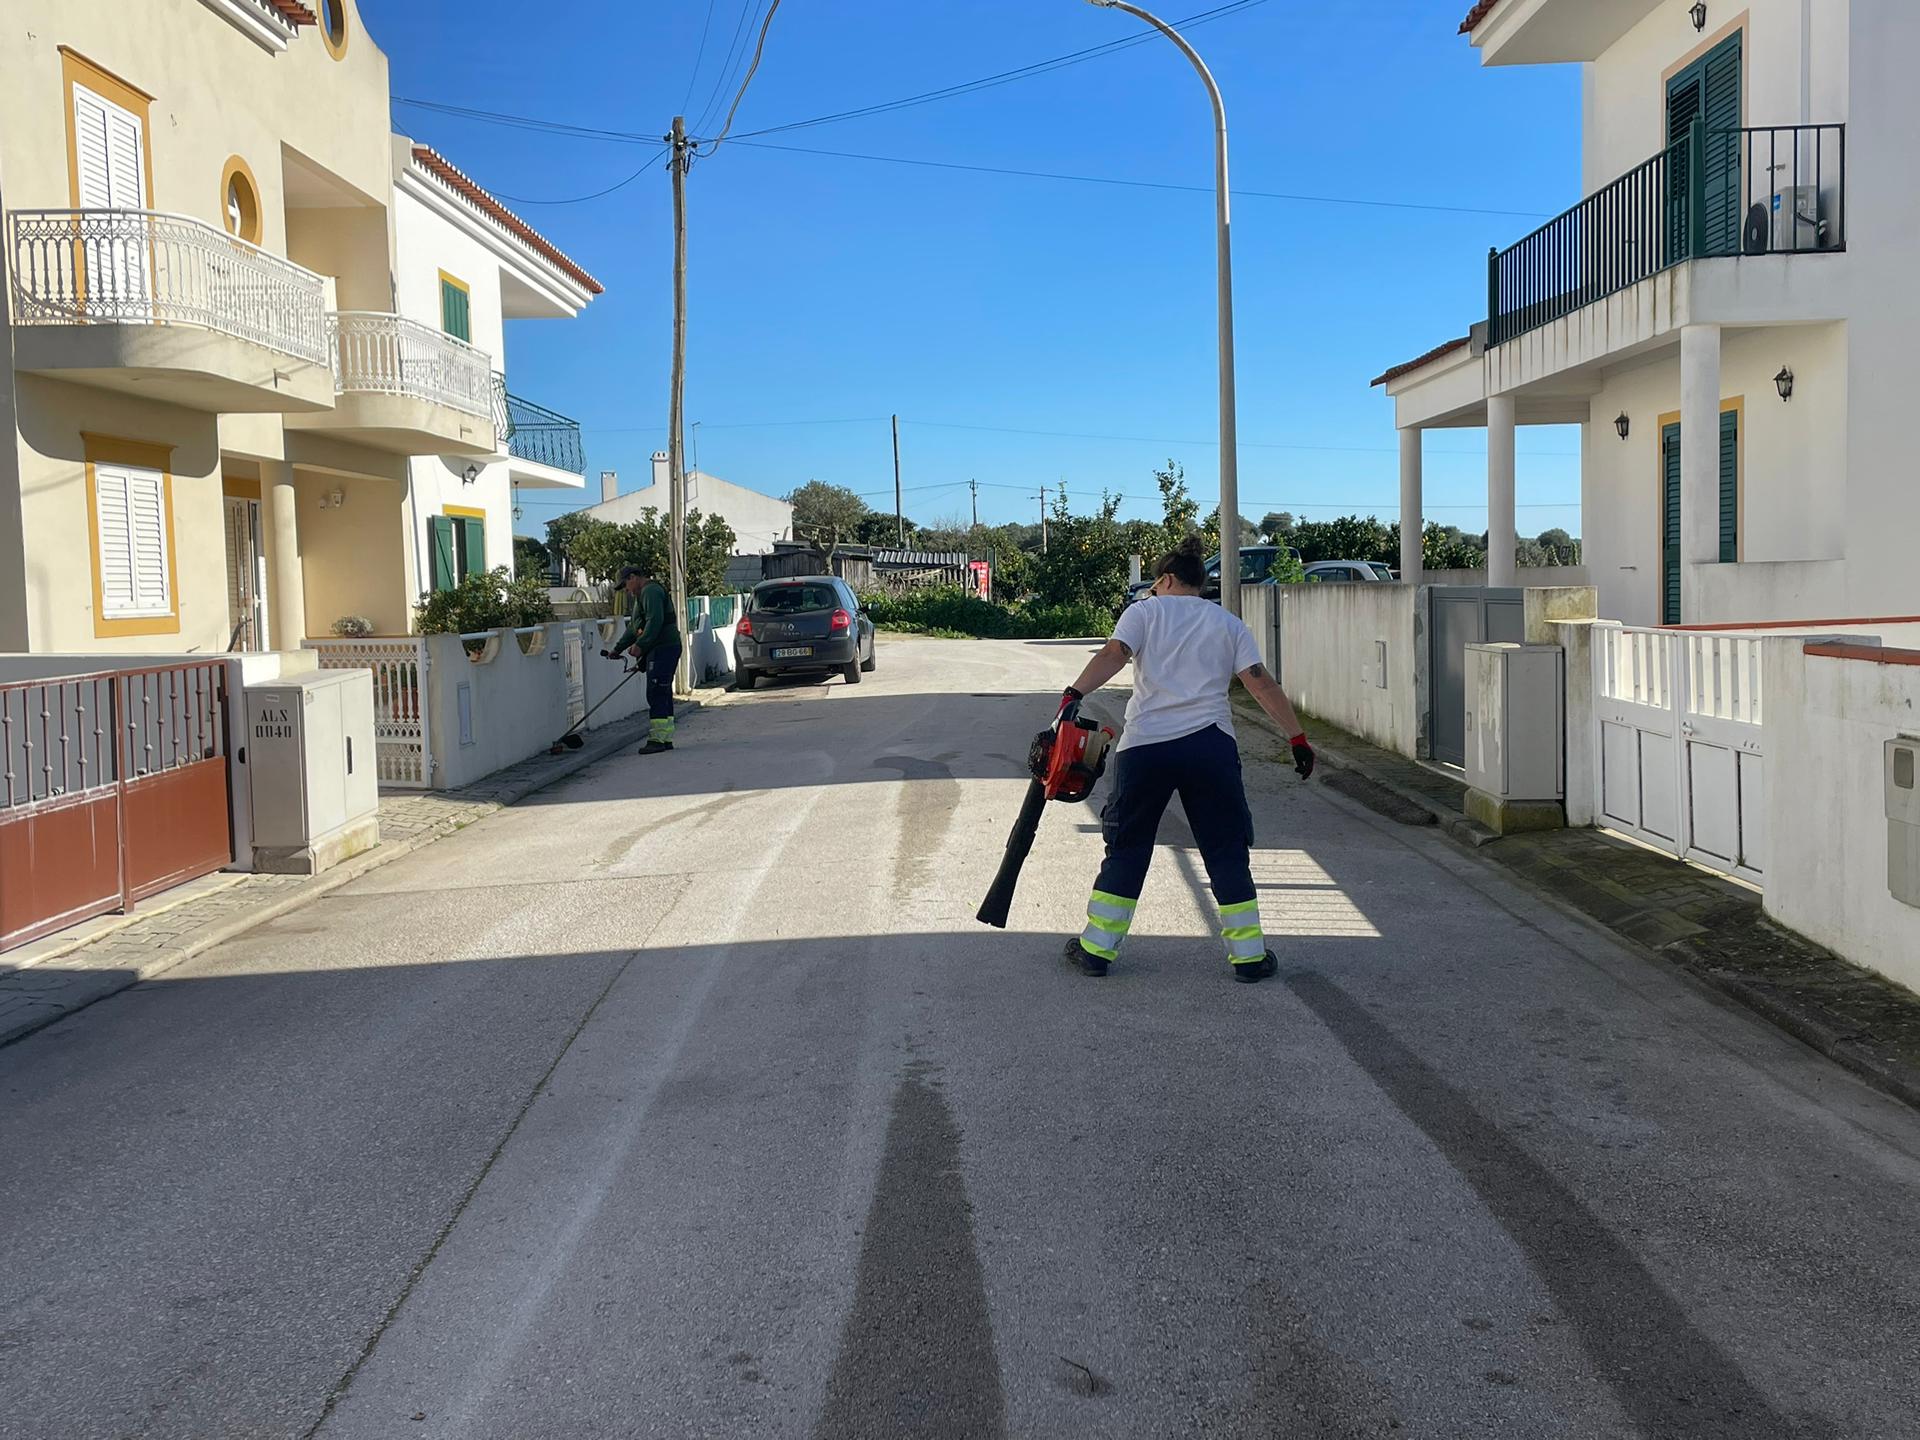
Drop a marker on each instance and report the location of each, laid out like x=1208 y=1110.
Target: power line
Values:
x=1214 y=444
x=532 y=122
x=1006 y=77
x=759 y=49
x=699 y=59
x=747 y=10
x=582 y=199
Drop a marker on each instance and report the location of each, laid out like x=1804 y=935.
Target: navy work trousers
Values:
x=1203 y=769
x=662 y=661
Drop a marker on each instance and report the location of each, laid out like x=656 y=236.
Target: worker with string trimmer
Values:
x=653 y=634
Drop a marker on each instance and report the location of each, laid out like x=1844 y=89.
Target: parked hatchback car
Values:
x=1256 y=568
x=803 y=624
x=1343 y=572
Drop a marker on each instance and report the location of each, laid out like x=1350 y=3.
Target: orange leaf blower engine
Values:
x=1066 y=762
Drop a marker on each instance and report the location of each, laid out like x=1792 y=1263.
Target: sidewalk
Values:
x=51 y=978
x=1710 y=927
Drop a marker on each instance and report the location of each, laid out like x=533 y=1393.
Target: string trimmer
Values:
x=573 y=740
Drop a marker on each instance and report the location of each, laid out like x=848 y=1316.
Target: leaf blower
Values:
x=1066 y=760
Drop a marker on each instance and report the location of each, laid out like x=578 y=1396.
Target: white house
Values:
x=464 y=265
x=1728 y=315
x=757 y=520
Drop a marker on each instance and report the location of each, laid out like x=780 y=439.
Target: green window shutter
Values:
x=1729 y=486
x=473 y=534
x=1708 y=91
x=1670 y=526
x=455 y=311
x=444 y=570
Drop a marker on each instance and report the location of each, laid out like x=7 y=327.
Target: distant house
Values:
x=757 y=520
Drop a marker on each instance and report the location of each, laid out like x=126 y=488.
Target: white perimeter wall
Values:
x=1329 y=637
x=1827 y=724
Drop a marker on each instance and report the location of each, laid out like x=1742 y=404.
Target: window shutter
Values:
x=455 y=311
x=1729 y=487
x=474 y=537
x=443 y=566
x=130 y=506
x=1721 y=109
x=1670 y=526
x=90 y=149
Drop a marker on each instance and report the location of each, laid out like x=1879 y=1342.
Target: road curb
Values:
x=96 y=986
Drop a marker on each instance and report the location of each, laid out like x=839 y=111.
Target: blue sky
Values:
x=828 y=292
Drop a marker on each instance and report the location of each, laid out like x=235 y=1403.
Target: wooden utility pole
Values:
x=974 y=485
x=899 y=515
x=676 y=450
x=1043 y=519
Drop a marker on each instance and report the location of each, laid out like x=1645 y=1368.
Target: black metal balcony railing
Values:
x=546 y=437
x=1754 y=191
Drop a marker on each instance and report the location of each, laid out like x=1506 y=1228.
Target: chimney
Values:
x=662 y=475
x=609 y=485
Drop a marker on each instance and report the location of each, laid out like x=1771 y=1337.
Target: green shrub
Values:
x=951 y=611
x=494 y=600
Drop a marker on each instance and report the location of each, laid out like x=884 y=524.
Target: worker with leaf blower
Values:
x=1186 y=652
x=653 y=634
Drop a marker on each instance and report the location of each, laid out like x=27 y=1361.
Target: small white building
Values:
x=1728 y=315
x=757 y=520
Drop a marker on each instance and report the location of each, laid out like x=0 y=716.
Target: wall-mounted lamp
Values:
x=1699 y=13
x=1783 y=382
x=470 y=474
x=1623 y=425
x=333 y=499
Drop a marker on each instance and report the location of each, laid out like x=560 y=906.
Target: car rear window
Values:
x=790 y=599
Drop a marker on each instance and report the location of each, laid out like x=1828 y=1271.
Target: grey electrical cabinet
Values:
x=1516 y=738
x=1903 y=820
x=312 y=771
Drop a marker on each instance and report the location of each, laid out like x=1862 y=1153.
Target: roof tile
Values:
x=1474 y=16
x=1414 y=364
x=443 y=169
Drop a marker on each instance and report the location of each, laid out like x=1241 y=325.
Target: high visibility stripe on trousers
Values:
x=661 y=729
x=1109 y=917
x=1240 y=928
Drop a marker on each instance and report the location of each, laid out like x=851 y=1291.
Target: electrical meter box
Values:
x=1903 y=820
x=312 y=770
x=1515 y=732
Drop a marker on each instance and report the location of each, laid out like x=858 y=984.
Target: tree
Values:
x=1180 y=512
x=1348 y=538
x=1210 y=528
x=1559 y=547
x=530 y=557
x=1086 y=558
x=601 y=549
x=1277 y=526
x=827 y=513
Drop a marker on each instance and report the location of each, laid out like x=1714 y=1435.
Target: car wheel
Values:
x=744 y=679
x=852 y=670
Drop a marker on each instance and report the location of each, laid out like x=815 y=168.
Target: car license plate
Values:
x=793 y=652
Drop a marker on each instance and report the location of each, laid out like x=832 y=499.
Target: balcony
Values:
x=168 y=308
x=1778 y=190
x=542 y=446
x=405 y=388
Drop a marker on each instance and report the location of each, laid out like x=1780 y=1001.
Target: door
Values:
x=110 y=174
x=246 y=576
x=1463 y=616
x=1707 y=92
x=1670 y=525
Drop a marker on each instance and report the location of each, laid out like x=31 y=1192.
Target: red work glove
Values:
x=1302 y=755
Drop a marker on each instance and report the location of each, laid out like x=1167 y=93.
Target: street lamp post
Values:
x=1229 y=427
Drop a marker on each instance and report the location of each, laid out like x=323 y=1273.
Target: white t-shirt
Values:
x=1186 y=651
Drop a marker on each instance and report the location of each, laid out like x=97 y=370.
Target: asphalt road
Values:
x=688 y=1100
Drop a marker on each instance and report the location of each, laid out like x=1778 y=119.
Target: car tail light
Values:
x=746 y=624
x=841 y=620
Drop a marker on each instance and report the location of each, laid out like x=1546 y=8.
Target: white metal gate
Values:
x=1678 y=724
x=402 y=728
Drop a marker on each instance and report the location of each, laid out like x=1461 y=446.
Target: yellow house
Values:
x=213 y=403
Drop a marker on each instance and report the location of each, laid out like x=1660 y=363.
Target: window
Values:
x=459 y=548
x=333 y=26
x=456 y=308
x=240 y=201
x=792 y=597
x=132 y=538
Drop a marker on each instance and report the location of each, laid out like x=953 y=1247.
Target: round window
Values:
x=240 y=201
x=333 y=25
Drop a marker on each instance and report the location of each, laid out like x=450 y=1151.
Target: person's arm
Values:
x=1271 y=698
x=1108 y=661
x=654 y=599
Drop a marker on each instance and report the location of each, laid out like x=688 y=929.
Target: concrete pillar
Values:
x=1699 y=449
x=1502 y=560
x=1412 y=510
x=286 y=585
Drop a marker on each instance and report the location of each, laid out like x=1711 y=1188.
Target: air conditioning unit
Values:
x=312 y=771
x=1516 y=735
x=1796 y=219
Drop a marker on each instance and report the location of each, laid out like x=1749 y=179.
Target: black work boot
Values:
x=655 y=747
x=1083 y=959
x=1252 y=972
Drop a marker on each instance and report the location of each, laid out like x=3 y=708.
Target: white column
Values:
x=1411 y=508
x=1699 y=449
x=286 y=583
x=1502 y=562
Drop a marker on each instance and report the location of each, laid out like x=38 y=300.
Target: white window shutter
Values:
x=128 y=176
x=131 y=505
x=90 y=147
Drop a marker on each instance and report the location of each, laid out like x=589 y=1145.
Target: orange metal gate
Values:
x=113 y=787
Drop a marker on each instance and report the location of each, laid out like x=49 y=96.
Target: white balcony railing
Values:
x=142 y=267
x=391 y=355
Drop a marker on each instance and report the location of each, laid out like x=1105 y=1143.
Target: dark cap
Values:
x=627 y=572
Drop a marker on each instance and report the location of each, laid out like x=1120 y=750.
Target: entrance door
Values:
x=1462 y=616
x=1707 y=92
x=246 y=576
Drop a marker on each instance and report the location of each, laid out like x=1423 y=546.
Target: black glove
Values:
x=1070 y=696
x=1302 y=755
